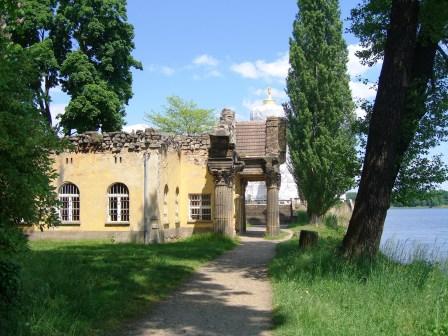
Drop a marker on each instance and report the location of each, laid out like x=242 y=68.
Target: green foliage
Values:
x=107 y=285
x=318 y=292
x=182 y=117
x=26 y=142
x=430 y=198
x=433 y=198
x=320 y=113
x=78 y=44
x=419 y=171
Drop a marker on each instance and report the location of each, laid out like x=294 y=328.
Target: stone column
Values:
x=224 y=203
x=273 y=180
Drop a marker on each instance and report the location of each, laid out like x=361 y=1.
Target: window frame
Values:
x=72 y=206
x=122 y=204
x=201 y=215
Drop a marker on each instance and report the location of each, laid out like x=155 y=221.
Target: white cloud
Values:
x=354 y=66
x=362 y=91
x=55 y=110
x=56 y=90
x=245 y=69
x=277 y=69
x=167 y=71
x=360 y=113
x=205 y=59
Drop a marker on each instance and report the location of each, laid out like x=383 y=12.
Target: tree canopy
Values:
x=182 y=117
x=320 y=113
x=85 y=47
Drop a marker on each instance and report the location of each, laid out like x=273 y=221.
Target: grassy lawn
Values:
x=283 y=234
x=95 y=287
x=316 y=292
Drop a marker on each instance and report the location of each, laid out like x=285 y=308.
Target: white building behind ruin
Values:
x=256 y=191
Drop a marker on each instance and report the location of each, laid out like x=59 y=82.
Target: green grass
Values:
x=317 y=292
x=283 y=234
x=95 y=287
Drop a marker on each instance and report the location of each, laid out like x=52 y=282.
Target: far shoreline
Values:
x=420 y=207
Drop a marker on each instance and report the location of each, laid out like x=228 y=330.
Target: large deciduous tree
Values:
x=409 y=108
x=182 y=117
x=320 y=112
x=26 y=196
x=85 y=46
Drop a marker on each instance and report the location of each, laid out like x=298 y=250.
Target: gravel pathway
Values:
x=229 y=296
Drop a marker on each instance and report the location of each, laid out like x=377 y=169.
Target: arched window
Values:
x=118 y=206
x=69 y=198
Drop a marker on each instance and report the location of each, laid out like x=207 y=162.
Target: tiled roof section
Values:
x=251 y=138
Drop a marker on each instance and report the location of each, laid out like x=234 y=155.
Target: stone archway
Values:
x=240 y=152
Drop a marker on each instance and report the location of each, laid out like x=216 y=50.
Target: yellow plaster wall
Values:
x=170 y=177
x=93 y=173
x=194 y=179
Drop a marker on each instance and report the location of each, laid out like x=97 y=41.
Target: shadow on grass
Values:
x=90 y=288
x=318 y=292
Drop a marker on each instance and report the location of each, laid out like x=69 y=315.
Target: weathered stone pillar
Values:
x=273 y=180
x=224 y=203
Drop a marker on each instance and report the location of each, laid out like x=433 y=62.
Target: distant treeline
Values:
x=436 y=198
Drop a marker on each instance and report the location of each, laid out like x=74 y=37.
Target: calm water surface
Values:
x=416 y=233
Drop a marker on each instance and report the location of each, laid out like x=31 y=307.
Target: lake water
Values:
x=416 y=233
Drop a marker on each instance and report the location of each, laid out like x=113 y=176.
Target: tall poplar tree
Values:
x=320 y=112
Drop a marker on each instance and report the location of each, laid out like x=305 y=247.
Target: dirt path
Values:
x=230 y=296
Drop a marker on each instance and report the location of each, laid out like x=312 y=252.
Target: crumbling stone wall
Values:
x=194 y=147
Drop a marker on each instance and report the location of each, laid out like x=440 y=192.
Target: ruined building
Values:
x=146 y=186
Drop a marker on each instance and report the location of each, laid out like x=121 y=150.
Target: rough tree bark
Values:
x=399 y=105
x=308 y=239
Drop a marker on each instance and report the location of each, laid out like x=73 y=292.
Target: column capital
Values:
x=273 y=179
x=223 y=176
x=272 y=173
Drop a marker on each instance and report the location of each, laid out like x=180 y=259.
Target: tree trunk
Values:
x=314 y=219
x=43 y=101
x=307 y=239
x=399 y=105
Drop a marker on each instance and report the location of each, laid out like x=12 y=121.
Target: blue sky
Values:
x=217 y=53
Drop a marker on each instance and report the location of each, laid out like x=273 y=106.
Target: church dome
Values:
x=269 y=108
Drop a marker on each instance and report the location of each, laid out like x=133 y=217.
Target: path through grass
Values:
x=317 y=292
x=94 y=287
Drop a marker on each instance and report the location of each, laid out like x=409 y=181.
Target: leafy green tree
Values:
x=320 y=113
x=26 y=196
x=410 y=108
x=85 y=46
x=182 y=117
